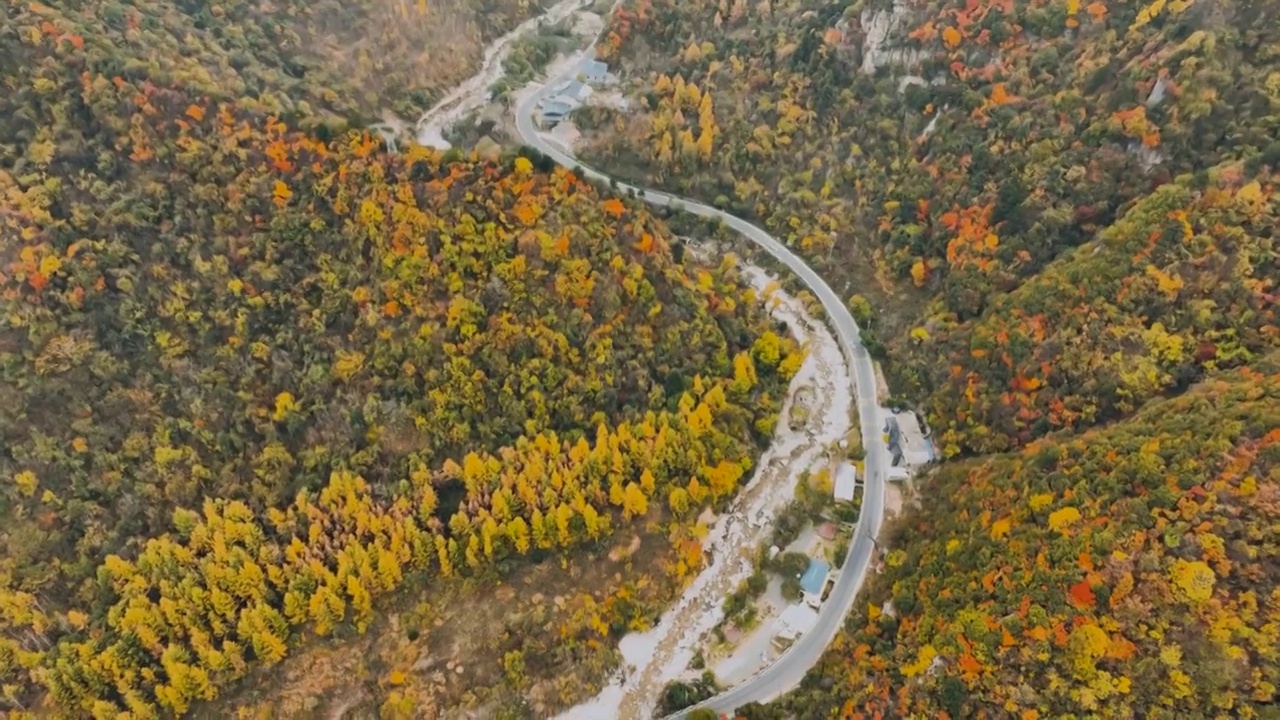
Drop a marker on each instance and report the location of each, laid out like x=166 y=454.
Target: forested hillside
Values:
x=255 y=377
x=942 y=157
x=1127 y=571
x=325 y=62
x=1058 y=221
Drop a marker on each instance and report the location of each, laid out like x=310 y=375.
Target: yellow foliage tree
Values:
x=919 y=273
x=1193 y=581
x=634 y=502
x=1086 y=645
x=285 y=404
x=1063 y=518
x=1000 y=528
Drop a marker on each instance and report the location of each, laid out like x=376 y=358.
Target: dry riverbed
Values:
x=473 y=94
x=662 y=654
x=803 y=439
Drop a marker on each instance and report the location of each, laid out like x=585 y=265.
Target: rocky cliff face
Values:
x=881 y=44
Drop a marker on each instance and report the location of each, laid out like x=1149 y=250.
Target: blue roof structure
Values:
x=815 y=576
x=595 y=70
x=556 y=109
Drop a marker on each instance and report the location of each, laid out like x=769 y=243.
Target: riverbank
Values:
x=473 y=94
x=664 y=653
x=652 y=659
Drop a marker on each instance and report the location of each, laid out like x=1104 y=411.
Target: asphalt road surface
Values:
x=788 y=670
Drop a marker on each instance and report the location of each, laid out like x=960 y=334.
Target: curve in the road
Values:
x=786 y=672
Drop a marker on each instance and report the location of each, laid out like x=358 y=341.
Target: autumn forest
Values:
x=258 y=377
x=263 y=381
x=1057 y=223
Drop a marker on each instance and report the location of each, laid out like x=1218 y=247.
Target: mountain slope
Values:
x=257 y=378
x=1059 y=221
x=940 y=157
x=324 y=63
x=1130 y=571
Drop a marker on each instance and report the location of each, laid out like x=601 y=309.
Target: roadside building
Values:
x=575 y=91
x=567 y=97
x=595 y=71
x=916 y=448
x=553 y=111
x=814 y=582
x=908 y=445
x=845 y=481
x=795 y=621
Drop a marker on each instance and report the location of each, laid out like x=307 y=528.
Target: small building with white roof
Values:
x=795 y=621
x=846 y=481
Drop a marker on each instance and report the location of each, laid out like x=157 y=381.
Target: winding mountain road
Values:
x=788 y=670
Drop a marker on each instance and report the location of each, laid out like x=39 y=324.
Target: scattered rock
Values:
x=881 y=46
x=707 y=518
x=1158 y=92
x=488 y=149
x=933 y=125
x=909 y=80
x=620 y=552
